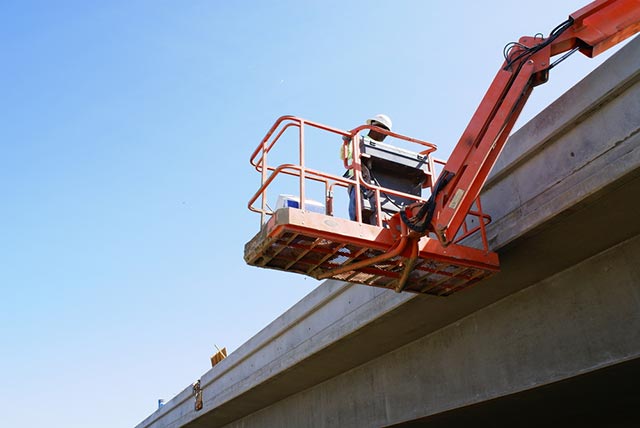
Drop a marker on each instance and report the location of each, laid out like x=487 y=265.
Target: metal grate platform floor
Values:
x=315 y=244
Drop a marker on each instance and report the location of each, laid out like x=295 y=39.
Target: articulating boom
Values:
x=591 y=30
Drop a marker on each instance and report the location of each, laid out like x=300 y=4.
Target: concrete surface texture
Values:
x=560 y=327
x=564 y=202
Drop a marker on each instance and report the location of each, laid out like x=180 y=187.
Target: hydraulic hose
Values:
x=425 y=214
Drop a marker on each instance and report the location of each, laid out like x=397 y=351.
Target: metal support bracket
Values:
x=197 y=393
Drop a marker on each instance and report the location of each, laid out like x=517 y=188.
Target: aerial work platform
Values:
x=298 y=237
x=395 y=247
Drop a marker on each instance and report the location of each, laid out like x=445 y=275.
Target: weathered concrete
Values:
x=558 y=328
x=564 y=202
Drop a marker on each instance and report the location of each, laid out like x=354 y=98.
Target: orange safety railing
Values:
x=330 y=181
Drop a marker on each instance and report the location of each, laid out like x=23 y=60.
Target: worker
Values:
x=368 y=216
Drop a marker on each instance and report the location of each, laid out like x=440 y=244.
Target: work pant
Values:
x=368 y=216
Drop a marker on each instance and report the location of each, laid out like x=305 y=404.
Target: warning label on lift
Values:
x=456 y=199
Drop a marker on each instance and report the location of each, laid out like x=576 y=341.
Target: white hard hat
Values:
x=382 y=119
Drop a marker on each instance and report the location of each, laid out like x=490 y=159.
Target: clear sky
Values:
x=126 y=128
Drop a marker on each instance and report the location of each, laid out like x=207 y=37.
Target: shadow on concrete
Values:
x=608 y=397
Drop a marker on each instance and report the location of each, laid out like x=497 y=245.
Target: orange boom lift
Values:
x=424 y=245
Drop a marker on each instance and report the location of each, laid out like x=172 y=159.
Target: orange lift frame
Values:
x=419 y=248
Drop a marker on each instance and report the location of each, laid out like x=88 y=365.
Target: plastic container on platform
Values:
x=291 y=201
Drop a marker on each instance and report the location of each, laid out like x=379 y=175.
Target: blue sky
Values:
x=126 y=128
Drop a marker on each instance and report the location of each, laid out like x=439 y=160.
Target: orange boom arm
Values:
x=591 y=30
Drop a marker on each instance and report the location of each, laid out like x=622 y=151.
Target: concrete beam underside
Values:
x=563 y=200
x=576 y=321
